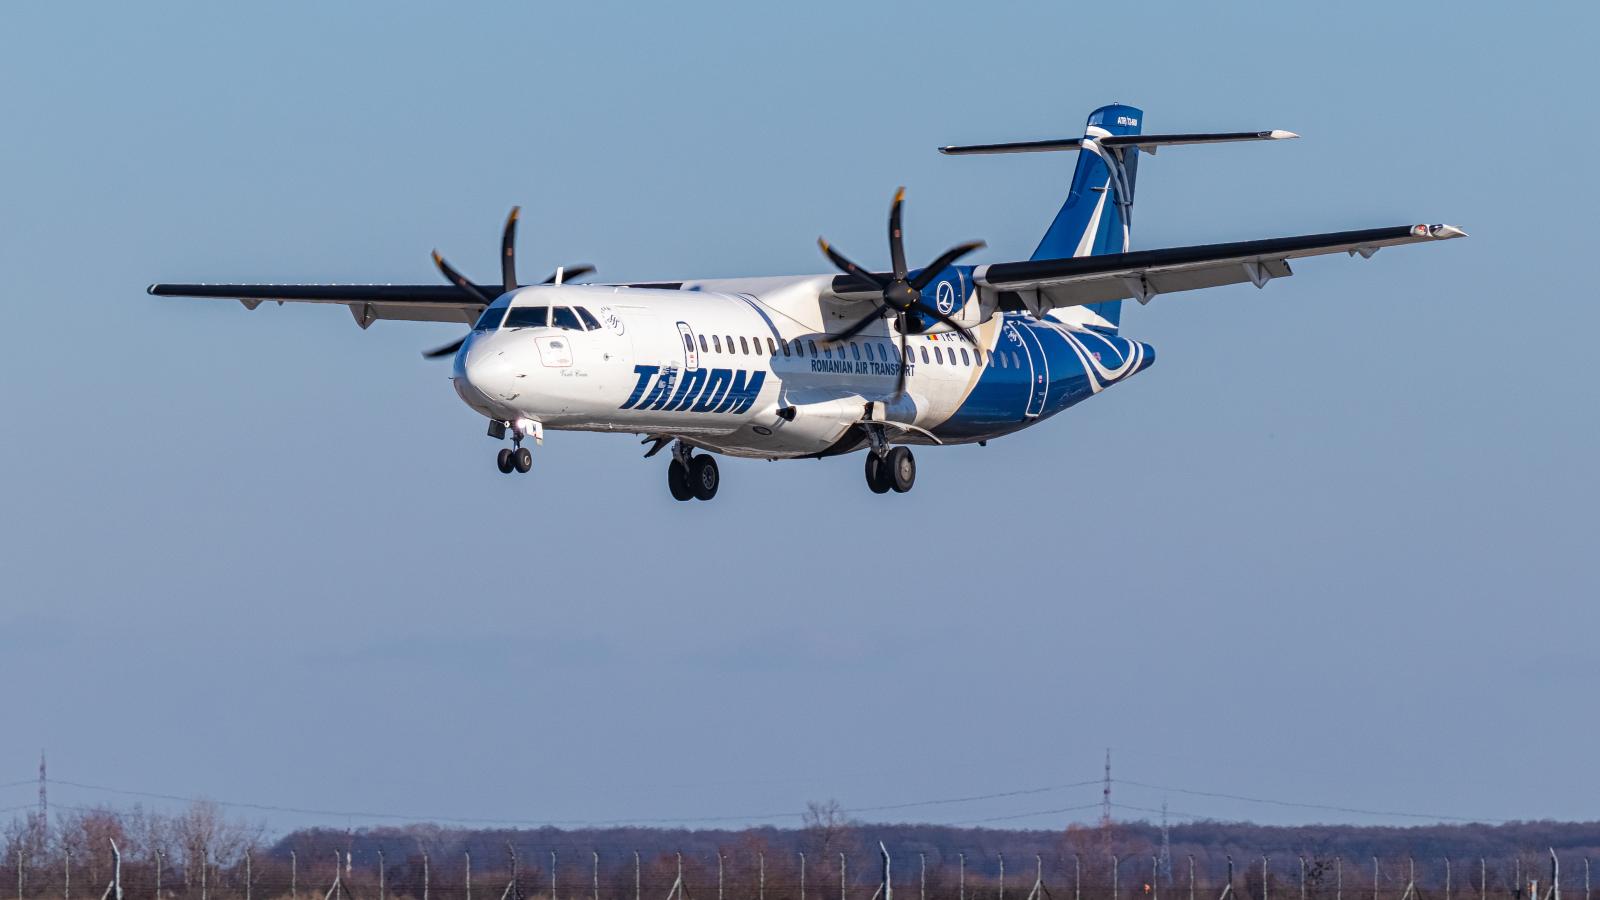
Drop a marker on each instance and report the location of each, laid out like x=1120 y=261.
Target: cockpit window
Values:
x=566 y=318
x=589 y=321
x=490 y=320
x=528 y=317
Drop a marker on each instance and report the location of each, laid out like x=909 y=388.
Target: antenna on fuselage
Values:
x=561 y=274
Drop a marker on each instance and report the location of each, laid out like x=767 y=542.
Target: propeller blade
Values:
x=848 y=267
x=857 y=328
x=508 y=251
x=927 y=275
x=957 y=326
x=457 y=279
x=570 y=273
x=900 y=383
x=897 y=248
x=447 y=350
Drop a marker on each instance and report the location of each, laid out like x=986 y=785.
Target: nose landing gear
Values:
x=515 y=458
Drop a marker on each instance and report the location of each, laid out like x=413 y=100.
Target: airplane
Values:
x=813 y=366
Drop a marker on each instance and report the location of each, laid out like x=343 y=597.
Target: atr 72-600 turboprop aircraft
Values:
x=823 y=365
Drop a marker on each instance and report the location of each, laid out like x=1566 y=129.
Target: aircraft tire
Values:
x=704 y=479
x=522 y=459
x=877 y=474
x=503 y=460
x=902 y=468
x=678 y=481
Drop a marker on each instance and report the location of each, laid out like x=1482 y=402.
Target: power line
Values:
x=1038 y=812
x=350 y=814
x=1320 y=806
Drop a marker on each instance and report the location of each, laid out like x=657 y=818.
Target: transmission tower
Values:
x=44 y=800
x=1165 y=861
x=1105 y=804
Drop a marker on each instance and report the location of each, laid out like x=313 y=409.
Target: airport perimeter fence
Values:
x=825 y=875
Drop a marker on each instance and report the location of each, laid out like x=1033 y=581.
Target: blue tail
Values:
x=1095 y=218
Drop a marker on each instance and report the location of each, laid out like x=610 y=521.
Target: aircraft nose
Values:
x=489 y=371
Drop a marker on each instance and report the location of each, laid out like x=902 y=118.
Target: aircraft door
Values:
x=691 y=353
x=1038 y=369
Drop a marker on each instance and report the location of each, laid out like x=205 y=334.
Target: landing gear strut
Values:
x=692 y=476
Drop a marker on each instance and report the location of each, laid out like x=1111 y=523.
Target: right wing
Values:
x=367 y=302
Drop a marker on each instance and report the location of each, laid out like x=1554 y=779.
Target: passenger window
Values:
x=490 y=320
x=589 y=321
x=786 y=348
x=716 y=342
x=744 y=345
x=756 y=342
x=528 y=317
x=730 y=343
x=965 y=360
x=855 y=351
x=688 y=343
x=924 y=350
x=703 y=344
x=772 y=347
x=1016 y=361
x=812 y=345
x=938 y=354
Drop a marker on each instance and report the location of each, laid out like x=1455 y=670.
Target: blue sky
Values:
x=1335 y=547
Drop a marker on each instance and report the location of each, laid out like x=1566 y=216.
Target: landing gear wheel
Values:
x=902 y=468
x=678 y=481
x=522 y=459
x=703 y=477
x=877 y=474
x=504 y=460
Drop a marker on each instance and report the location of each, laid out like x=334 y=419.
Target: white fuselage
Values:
x=739 y=367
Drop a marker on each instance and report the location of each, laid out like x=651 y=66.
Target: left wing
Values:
x=1041 y=285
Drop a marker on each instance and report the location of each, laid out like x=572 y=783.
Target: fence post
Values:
x=1077 y=877
x=1114 y=865
x=1447 y=878
x=761 y=876
x=1191 y=876
x=1483 y=879
x=888 y=881
x=802 y=876
x=552 y=875
x=381 y=871
x=961 y=880
x=427 y=876
x=160 y=855
x=1374 y=878
x=719 y=875
x=923 y=894
x=596 y=874
x=1002 y=876
x=468 y=855
x=114 y=889
x=205 y=863
x=249 y=872
x=842 y=884
x=1302 y=878
x=636 y=895
x=1338 y=878
x=1155 y=878
x=66 y=888
x=1263 y=878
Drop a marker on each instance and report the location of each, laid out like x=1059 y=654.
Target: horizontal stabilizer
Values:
x=1146 y=142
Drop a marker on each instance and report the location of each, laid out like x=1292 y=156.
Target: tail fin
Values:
x=1096 y=217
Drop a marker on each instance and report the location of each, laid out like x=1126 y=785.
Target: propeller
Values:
x=900 y=294
x=508 y=277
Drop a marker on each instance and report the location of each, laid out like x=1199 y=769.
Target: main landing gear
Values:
x=692 y=476
x=889 y=468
